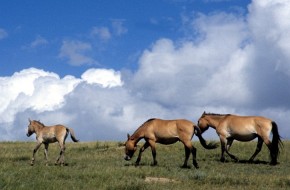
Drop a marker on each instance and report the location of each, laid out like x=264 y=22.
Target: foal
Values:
x=49 y=134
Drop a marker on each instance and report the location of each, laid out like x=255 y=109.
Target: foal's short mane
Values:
x=39 y=123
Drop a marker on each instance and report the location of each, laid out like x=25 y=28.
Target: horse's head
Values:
x=30 y=128
x=130 y=148
x=203 y=123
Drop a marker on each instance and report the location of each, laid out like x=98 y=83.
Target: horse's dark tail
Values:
x=72 y=135
x=276 y=144
x=202 y=141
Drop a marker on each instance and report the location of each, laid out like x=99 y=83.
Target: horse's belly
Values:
x=170 y=140
x=244 y=137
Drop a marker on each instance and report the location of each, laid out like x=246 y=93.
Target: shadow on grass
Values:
x=20 y=158
x=253 y=162
x=246 y=162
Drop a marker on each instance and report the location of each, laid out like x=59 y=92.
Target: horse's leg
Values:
x=229 y=144
x=153 y=149
x=258 y=149
x=45 y=153
x=188 y=147
x=223 y=148
x=272 y=154
x=146 y=145
x=34 y=151
x=193 y=151
x=187 y=154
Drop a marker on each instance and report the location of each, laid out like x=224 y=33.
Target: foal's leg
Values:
x=34 y=151
x=45 y=153
x=62 y=154
x=146 y=145
x=258 y=149
x=60 y=158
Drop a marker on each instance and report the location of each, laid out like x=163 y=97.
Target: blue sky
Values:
x=132 y=26
x=105 y=67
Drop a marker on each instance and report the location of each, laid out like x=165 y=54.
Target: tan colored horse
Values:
x=243 y=128
x=49 y=134
x=165 y=132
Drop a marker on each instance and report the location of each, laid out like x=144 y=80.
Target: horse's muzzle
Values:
x=127 y=158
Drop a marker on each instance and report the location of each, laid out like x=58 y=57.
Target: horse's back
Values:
x=245 y=127
x=170 y=129
x=244 y=120
x=177 y=124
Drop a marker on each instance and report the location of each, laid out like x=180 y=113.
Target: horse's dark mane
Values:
x=216 y=114
x=143 y=125
x=149 y=120
x=146 y=122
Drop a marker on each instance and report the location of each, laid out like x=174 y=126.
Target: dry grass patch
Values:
x=159 y=180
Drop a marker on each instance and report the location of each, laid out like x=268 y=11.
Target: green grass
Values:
x=100 y=165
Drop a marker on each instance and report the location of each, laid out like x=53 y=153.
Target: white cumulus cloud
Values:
x=40 y=92
x=236 y=64
x=103 y=77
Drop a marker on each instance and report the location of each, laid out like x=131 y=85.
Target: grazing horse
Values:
x=243 y=128
x=49 y=134
x=165 y=132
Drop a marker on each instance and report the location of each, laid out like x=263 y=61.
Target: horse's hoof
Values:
x=154 y=163
x=223 y=160
x=273 y=163
x=185 y=167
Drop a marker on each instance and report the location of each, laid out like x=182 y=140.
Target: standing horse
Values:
x=165 y=132
x=49 y=134
x=243 y=128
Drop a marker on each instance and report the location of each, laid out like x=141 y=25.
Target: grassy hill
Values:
x=100 y=165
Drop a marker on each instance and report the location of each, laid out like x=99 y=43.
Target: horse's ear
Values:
x=129 y=137
x=204 y=113
x=29 y=120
